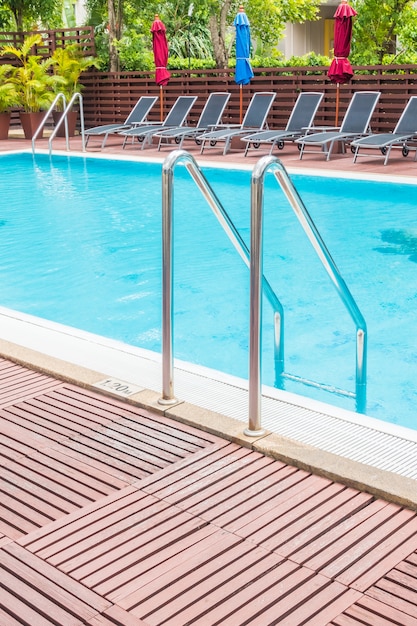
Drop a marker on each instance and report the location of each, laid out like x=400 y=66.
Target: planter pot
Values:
x=72 y=117
x=31 y=122
x=4 y=125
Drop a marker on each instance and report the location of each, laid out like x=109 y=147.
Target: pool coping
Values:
x=380 y=483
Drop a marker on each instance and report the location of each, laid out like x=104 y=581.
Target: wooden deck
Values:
x=113 y=515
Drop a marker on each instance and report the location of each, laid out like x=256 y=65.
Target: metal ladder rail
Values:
x=64 y=119
x=58 y=97
x=257 y=192
x=174 y=158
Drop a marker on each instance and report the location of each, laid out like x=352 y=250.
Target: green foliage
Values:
x=26 y=14
x=268 y=17
x=178 y=63
x=68 y=64
x=134 y=54
x=377 y=27
x=8 y=93
x=195 y=43
x=33 y=82
x=310 y=59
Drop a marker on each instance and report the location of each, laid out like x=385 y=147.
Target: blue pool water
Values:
x=80 y=244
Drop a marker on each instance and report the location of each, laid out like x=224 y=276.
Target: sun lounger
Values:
x=175 y=118
x=210 y=118
x=254 y=120
x=301 y=117
x=355 y=124
x=137 y=116
x=405 y=130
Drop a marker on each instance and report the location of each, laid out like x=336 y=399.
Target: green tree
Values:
x=207 y=30
x=267 y=19
x=25 y=14
x=379 y=27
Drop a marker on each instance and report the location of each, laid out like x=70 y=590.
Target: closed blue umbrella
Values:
x=243 y=72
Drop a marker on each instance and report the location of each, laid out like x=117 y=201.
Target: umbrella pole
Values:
x=240 y=104
x=161 y=96
x=336 y=123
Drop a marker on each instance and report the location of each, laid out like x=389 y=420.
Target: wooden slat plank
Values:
x=308 y=528
x=39 y=540
x=37 y=601
x=187 y=536
x=117 y=410
x=330 y=609
x=246 y=476
x=115 y=616
x=221 y=464
x=190 y=579
x=379 y=552
x=22 y=612
x=286 y=508
x=185 y=468
x=373 y=612
x=286 y=480
x=84 y=549
x=341 y=539
x=62 y=588
x=395 y=595
x=101 y=481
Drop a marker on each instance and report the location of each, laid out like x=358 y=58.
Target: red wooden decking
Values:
x=112 y=515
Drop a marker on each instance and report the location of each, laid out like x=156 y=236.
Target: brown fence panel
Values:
x=52 y=39
x=110 y=97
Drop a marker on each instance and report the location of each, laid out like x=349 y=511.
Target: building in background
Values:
x=300 y=39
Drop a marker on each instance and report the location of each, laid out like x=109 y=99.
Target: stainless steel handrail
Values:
x=273 y=164
x=58 y=97
x=174 y=158
x=64 y=119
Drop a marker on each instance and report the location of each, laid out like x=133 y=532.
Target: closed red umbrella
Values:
x=160 y=55
x=340 y=70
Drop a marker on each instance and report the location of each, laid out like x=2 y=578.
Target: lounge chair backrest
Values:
x=304 y=111
x=179 y=111
x=213 y=110
x=141 y=109
x=359 y=112
x=258 y=110
x=407 y=124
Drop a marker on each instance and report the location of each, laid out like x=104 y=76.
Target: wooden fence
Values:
x=52 y=39
x=109 y=97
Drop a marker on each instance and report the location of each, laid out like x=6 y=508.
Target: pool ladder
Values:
x=258 y=282
x=63 y=120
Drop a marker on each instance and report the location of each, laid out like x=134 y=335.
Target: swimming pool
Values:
x=83 y=248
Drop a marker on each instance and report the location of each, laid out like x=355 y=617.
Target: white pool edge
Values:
x=357 y=437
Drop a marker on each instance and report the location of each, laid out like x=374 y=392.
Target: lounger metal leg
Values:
x=226 y=145
x=355 y=156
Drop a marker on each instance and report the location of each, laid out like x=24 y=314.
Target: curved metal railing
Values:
x=174 y=158
x=265 y=164
x=63 y=120
x=258 y=282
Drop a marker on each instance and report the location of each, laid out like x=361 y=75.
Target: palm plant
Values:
x=32 y=79
x=8 y=93
x=68 y=64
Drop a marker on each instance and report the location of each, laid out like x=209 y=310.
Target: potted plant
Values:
x=68 y=64
x=8 y=99
x=33 y=81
